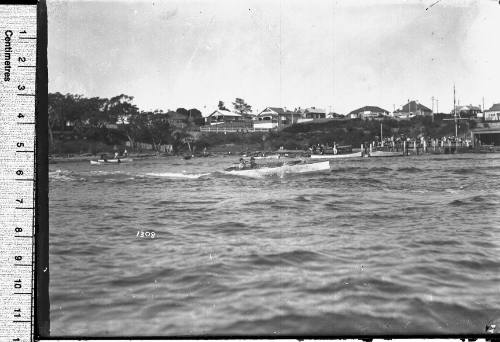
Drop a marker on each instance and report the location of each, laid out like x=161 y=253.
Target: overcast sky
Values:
x=337 y=55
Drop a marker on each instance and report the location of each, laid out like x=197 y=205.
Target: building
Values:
x=314 y=113
x=220 y=116
x=333 y=115
x=411 y=109
x=467 y=111
x=367 y=112
x=176 y=119
x=486 y=134
x=492 y=114
x=274 y=117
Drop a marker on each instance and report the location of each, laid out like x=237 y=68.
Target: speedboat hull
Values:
x=385 y=154
x=335 y=156
x=284 y=169
x=110 y=161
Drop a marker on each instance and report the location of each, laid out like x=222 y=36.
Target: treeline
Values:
x=112 y=121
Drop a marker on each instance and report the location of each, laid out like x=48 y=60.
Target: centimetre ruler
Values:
x=18 y=39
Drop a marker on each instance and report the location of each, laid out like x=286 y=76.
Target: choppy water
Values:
x=405 y=245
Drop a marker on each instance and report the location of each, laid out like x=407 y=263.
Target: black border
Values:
x=41 y=297
x=41 y=227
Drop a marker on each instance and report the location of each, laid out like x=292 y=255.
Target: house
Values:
x=220 y=116
x=467 y=111
x=367 y=112
x=314 y=113
x=492 y=114
x=310 y=114
x=333 y=115
x=412 y=108
x=273 y=117
x=176 y=119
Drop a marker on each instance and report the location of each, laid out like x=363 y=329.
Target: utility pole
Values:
x=437 y=106
x=455 y=112
x=455 y=118
x=432 y=108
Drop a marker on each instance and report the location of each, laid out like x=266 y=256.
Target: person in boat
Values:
x=125 y=153
x=103 y=157
x=241 y=165
x=253 y=164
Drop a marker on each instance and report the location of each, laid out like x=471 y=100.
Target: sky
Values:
x=336 y=55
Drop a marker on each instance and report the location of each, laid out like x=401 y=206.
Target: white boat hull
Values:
x=102 y=161
x=280 y=170
x=335 y=156
x=385 y=154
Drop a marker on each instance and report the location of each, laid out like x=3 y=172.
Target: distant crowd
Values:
x=394 y=142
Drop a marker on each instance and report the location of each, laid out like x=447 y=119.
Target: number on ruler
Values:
x=20 y=116
x=20 y=144
x=18 y=258
x=17 y=313
x=18 y=284
x=22 y=59
x=19 y=200
x=18 y=230
x=21 y=87
x=19 y=172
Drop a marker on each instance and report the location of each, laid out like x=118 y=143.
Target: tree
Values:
x=183 y=111
x=221 y=106
x=195 y=117
x=56 y=103
x=241 y=107
x=120 y=110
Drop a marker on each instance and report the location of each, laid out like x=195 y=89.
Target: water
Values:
x=404 y=245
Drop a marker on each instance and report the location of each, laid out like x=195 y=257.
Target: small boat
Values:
x=110 y=161
x=336 y=156
x=280 y=170
x=384 y=154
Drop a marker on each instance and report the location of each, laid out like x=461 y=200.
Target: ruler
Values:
x=18 y=39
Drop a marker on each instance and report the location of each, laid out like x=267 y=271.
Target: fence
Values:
x=231 y=129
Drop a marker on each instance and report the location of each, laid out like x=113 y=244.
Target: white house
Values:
x=219 y=116
x=492 y=114
x=367 y=112
x=273 y=117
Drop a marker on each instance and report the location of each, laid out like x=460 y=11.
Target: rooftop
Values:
x=373 y=109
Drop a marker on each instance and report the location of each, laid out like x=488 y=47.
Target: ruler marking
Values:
x=21 y=22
